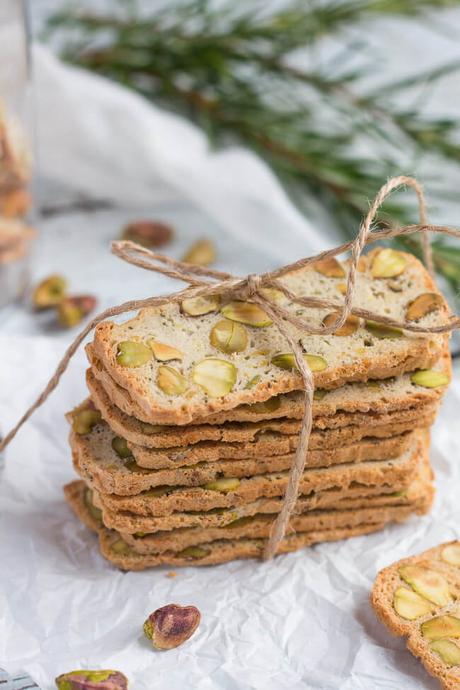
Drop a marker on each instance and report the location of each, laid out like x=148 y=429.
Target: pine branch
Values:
x=231 y=70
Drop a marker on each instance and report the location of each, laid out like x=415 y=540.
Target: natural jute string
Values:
x=206 y=282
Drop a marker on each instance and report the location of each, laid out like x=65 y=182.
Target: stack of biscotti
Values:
x=185 y=444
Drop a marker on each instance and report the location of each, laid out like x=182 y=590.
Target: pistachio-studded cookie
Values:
x=380 y=397
x=418 y=597
x=180 y=362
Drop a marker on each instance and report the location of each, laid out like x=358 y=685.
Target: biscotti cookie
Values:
x=179 y=363
x=105 y=456
x=351 y=498
x=382 y=396
x=259 y=526
x=418 y=597
x=94 y=455
x=341 y=425
x=228 y=493
x=120 y=554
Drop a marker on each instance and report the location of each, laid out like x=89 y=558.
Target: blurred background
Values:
x=237 y=134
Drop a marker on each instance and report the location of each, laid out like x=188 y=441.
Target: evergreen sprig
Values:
x=234 y=72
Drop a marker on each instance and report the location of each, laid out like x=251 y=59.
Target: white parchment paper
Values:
x=301 y=621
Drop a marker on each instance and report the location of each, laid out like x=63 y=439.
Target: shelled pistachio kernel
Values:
x=49 y=292
x=451 y=554
x=423 y=305
x=201 y=253
x=229 y=336
x=163 y=352
x=287 y=361
x=240 y=522
x=429 y=583
x=92 y=680
x=198 y=306
x=387 y=263
x=319 y=393
x=224 y=485
x=85 y=420
x=171 y=381
x=380 y=330
x=269 y=405
x=131 y=353
x=120 y=446
x=95 y=512
x=350 y=326
x=440 y=627
x=272 y=294
x=216 y=376
x=410 y=605
x=193 y=552
x=252 y=382
x=120 y=546
x=429 y=378
x=330 y=268
x=447 y=650
x=246 y=312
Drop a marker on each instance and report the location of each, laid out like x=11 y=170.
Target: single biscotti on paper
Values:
x=179 y=363
x=354 y=497
x=378 y=397
x=120 y=554
x=161 y=436
x=418 y=597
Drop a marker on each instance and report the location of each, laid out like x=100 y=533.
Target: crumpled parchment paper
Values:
x=300 y=621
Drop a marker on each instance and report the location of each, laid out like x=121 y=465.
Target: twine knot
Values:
x=253 y=284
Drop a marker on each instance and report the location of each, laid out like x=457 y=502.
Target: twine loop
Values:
x=203 y=281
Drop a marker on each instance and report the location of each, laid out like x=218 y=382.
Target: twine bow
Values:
x=203 y=281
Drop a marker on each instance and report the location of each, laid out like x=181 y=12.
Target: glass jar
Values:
x=15 y=150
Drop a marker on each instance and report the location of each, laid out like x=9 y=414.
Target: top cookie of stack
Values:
x=181 y=363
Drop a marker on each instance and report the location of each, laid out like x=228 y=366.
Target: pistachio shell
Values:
x=216 y=376
x=164 y=352
x=131 y=353
x=350 y=326
x=49 y=292
x=193 y=552
x=451 y=554
x=228 y=336
x=120 y=446
x=380 y=330
x=171 y=381
x=92 y=680
x=224 y=485
x=287 y=361
x=197 y=306
x=387 y=263
x=330 y=268
x=246 y=312
x=447 y=650
x=428 y=378
x=423 y=305
x=201 y=253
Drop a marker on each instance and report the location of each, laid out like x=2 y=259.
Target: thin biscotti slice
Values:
x=340 y=426
x=418 y=597
x=383 y=396
x=104 y=456
x=355 y=497
x=229 y=493
x=178 y=366
x=120 y=554
x=259 y=526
